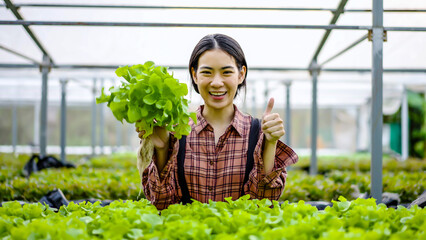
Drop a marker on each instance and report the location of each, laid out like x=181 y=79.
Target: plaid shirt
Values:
x=217 y=171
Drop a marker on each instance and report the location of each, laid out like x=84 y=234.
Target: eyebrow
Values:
x=210 y=68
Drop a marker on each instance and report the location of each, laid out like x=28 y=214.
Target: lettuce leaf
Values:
x=149 y=97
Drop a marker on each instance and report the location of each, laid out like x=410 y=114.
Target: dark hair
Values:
x=222 y=42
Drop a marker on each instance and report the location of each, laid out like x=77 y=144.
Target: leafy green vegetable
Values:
x=150 y=97
x=234 y=219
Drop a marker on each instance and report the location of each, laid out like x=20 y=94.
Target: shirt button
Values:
x=210 y=188
x=211 y=162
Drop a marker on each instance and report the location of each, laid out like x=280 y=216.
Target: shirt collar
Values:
x=237 y=122
x=201 y=121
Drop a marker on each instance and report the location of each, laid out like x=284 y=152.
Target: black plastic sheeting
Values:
x=55 y=199
x=36 y=164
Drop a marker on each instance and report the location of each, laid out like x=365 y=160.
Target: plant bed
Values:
x=240 y=219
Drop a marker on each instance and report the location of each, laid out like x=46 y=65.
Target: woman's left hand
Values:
x=272 y=124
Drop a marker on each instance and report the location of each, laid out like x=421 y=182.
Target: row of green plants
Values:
x=301 y=186
x=360 y=162
x=15 y=163
x=240 y=219
x=12 y=165
x=110 y=183
x=116 y=177
x=74 y=183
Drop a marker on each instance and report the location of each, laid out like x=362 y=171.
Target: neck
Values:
x=219 y=116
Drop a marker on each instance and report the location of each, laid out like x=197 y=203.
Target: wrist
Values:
x=270 y=143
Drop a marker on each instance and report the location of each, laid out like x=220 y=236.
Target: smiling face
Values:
x=217 y=79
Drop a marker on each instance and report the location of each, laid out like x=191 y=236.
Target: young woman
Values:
x=215 y=154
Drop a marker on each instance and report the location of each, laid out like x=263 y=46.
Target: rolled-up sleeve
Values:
x=271 y=185
x=161 y=188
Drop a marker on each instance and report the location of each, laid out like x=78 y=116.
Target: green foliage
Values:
x=359 y=162
x=79 y=183
x=417 y=123
x=240 y=219
x=103 y=177
x=302 y=186
x=150 y=97
x=116 y=177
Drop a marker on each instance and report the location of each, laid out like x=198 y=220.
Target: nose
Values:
x=217 y=81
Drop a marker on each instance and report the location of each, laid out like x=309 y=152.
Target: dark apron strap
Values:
x=186 y=198
x=253 y=137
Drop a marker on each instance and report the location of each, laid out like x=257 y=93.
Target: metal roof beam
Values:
x=333 y=21
x=188 y=25
x=206 y=25
x=346 y=49
x=15 y=12
x=41 y=5
x=176 y=67
x=19 y=54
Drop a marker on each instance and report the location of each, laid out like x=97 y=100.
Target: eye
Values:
x=205 y=72
x=227 y=72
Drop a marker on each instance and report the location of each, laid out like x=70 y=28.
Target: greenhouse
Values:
x=347 y=78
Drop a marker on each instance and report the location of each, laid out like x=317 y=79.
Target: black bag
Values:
x=36 y=164
x=55 y=199
x=420 y=201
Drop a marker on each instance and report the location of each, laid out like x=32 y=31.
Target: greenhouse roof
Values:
x=280 y=38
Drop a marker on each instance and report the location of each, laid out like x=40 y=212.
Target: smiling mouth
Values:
x=217 y=94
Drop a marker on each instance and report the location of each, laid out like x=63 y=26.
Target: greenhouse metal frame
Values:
x=376 y=33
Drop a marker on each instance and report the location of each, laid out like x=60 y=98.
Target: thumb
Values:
x=269 y=107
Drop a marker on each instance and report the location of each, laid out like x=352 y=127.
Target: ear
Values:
x=242 y=75
x=194 y=75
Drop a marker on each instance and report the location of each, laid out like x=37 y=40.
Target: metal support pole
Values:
x=266 y=94
x=287 y=115
x=130 y=131
x=369 y=119
x=94 y=118
x=43 y=115
x=358 y=128
x=245 y=99
x=253 y=106
x=36 y=136
x=14 y=127
x=314 y=119
x=63 y=118
x=333 y=123
x=404 y=125
x=119 y=142
x=377 y=102
x=101 y=123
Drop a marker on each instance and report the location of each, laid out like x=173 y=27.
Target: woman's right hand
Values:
x=160 y=137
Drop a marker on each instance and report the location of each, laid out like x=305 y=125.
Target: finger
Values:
x=269 y=107
x=272 y=119
x=278 y=134
x=273 y=129
x=141 y=133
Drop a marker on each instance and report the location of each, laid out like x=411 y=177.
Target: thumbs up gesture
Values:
x=272 y=124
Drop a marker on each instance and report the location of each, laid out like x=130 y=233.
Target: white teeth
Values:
x=217 y=93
